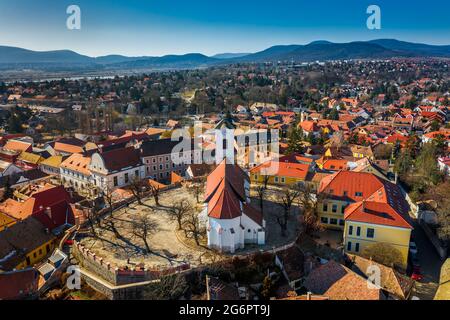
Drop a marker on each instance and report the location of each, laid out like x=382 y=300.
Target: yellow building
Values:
x=360 y=152
x=368 y=223
x=24 y=244
x=279 y=173
x=6 y=221
x=367 y=208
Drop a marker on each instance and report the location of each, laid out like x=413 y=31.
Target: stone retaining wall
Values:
x=120 y=276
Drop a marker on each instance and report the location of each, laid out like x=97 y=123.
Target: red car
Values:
x=416 y=274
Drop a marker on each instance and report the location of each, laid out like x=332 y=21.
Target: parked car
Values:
x=413 y=248
x=417 y=274
x=417 y=277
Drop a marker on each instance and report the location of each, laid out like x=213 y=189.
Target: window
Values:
x=350 y=230
x=324 y=220
x=358 y=231
x=343 y=209
x=283 y=180
x=349 y=246
x=358 y=194
x=276 y=179
x=357 y=247
x=126 y=177
x=136 y=173
x=333 y=221
x=325 y=207
x=370 y=233
x=341 y=222
x=345 y=193
x=116 y=182
x=160 y=167
x=334 y=208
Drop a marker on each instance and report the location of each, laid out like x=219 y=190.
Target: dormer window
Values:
x=358 y=194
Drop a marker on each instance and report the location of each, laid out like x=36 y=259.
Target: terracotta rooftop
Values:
x=373 y=199
x=78 y=163
x=282 y=169
x=225 y=191
x=15 y=145
x=337 y=282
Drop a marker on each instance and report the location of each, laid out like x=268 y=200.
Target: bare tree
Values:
x=266 y=179
x=337 y=140
x=179 y=210
x=193 y=229
x=108 y=195
x=308 y=201
x=155 y=191
x=143 y=227
x=287 y=200
x=197 y=190
x=261 y=191
x=172 y=287
x=92 y=217
x=138 y=188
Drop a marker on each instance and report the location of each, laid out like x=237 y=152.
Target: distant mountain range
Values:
x=12 y=58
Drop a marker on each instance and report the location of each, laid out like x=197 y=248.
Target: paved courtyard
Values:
x=169 y=247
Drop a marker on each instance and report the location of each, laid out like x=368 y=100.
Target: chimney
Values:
x=48 y=212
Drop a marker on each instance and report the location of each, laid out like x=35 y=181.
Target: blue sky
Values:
x=158 y=27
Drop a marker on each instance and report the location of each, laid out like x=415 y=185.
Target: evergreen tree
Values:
x=295 y=140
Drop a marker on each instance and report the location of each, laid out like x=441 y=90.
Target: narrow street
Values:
x=430 y=265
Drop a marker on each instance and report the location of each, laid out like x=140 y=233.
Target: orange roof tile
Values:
x=78 y=163
x=385 y=202
x=282 y=169
x=67 y=148
x=14 y=145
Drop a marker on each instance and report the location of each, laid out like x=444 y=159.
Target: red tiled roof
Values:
x=309 y=126
x=383 y=200
x=225 y=191
x=175 y=178
x=18 y=284
x=337 y=282
x=335 y=164
x=282 y=169
x=375 y=213
x=14 y=145
x=55 y=198
x=67 y=148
